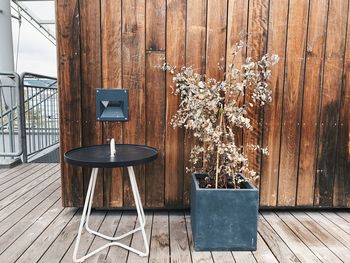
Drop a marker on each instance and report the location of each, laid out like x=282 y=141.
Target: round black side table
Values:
x=98 y=156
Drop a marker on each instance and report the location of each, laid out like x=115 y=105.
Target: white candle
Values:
x=112 y=147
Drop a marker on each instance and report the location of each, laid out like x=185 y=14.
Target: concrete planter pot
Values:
x=224 y=219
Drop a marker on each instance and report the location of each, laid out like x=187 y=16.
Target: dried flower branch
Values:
x=211 y=109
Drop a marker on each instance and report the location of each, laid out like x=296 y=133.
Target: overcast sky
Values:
x=36 y=54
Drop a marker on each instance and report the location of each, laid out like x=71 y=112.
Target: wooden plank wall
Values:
x=117 y=43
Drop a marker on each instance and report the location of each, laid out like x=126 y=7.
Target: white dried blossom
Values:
x=256 y=147
x=195 y=153
x=166 y=67
x=237 y=115
x=213 y=110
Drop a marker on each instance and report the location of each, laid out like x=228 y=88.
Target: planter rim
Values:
x=252 y=187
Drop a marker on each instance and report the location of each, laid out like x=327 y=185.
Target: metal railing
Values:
x=29 y=123
x=41 y=113
x=10 y=116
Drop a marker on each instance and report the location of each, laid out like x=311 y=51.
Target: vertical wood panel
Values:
x=257 y=40
x=112 y=78
x=316 y=40
x=133 y=73
x=277 y=35
x=216 y=37
x=196 y=22
x=195 y=56
x=237 y=27
x=68 y=62
x=292 y=101
x=341 y=195
x=155 y=25
x=91 y=80
x=114 y=44
x=332 y=79
x=155 y=128
x=175 y=55
x=155 y=100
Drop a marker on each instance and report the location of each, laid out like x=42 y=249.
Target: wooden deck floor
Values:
x=35 y=228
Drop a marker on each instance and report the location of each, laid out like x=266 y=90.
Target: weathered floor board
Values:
x=35 y=228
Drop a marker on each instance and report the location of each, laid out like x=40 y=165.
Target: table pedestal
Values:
x=86 y=216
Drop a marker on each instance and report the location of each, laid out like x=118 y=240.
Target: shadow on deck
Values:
x=35 y=228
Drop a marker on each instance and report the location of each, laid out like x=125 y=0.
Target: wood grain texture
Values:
x=155 y=100
x=331 y=94
x=216 y=37
x=61 y=244
x=303 y=253
x=308 y=238
x=108 y=227
x=179 y=248
x=7 y=199
x=155 y=25
x=324 y=236
x=332 y=228
x=155 y=128
x=292 y=101
x=41 y=230
x=133 y=74
x=160 y=239
x=115 y=44
x=11 y=217
x=196 y=32
x=91 y=79
x=222 y=256
x=26 y=221
x=338 y=220
x=344 y=215
x=275 y=242
x=4 y=170
x=48 y=236
x=256 y=41
x=111 y=41
x=9 y=174
x=175 y=46
x=25 y=198
x=14 y=178
x=243 y=257
x=69 y=83
x=341 y=196
x=29 y=181
x=237 y=29
x=127 y=222
x=263 y=254
x=196 y=20
x=277 y=37
x=315 y=48
x=86 y=238
x=19 y=245
x=137 y=241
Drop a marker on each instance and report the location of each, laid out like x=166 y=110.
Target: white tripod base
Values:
x=86 y=216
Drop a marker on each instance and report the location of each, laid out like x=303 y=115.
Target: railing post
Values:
x=40 y=104
x=22 y=119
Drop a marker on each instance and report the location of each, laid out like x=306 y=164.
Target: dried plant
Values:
x=215 y=110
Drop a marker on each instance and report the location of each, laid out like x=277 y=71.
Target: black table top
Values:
x=98 y=156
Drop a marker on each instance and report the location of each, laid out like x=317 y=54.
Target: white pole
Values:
x=7 y=95
x=6 y=42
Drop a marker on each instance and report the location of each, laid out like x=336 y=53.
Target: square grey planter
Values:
x=224 y=219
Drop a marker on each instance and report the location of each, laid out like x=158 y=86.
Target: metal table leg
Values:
x=86 y=216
